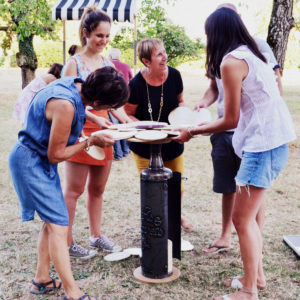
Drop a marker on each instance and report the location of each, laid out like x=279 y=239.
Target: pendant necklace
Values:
x=160 y=105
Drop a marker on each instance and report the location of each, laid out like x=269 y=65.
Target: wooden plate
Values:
x=151 y=135
x=95 y=151
x=116 y=256
x=116 y=134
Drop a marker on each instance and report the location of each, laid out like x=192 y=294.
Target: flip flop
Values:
x=84 y=297
x=42 y=287
x=237 y=284
x=218 y=249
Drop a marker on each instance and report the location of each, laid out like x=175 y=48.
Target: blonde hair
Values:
x=146 y=47
x=90 y=20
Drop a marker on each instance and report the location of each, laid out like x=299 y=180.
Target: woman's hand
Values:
x=185 y=135
x=201 y=104
x=102 y=123
x=101 y=140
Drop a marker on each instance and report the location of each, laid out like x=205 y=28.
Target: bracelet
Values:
x=87 y=140
x=189 y=131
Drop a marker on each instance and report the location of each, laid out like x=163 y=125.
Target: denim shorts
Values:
x=225 y=162
x=261 y=168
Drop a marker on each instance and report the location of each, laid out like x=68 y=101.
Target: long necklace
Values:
x=160 y=105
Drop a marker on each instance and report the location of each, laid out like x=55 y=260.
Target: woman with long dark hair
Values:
x=263 y=128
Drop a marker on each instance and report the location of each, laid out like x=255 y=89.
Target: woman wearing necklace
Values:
x=154 y=92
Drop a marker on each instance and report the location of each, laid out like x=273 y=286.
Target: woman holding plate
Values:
x=154 y=92
x=252 y=105
x=53 y=124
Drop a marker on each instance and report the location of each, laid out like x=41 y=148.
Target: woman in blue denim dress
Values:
x=53 y=124
x=263 y=124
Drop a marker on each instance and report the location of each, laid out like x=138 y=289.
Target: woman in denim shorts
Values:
x=53 y=124
x=263 y=128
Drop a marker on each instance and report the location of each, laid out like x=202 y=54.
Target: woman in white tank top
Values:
x=263 y=128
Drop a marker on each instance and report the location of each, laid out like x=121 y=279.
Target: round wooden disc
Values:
x=140 y=277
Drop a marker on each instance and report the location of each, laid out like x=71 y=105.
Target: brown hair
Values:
x=90 y=20
x=146 y=47
x=106 y=86
x=55 y=70
x=73 y=49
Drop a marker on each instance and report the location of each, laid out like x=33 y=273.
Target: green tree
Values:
x=25 y=19
x=153 y=22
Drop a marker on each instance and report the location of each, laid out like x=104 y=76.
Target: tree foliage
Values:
x=153 y=23
x=25 y=19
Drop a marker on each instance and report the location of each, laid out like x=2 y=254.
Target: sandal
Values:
x=42 y=287
x=237 y=284
x=218 y=249
x=226 y=297
x=85 y=296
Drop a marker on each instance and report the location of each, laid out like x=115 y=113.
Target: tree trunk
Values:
x=27 y=60
x=281 y=23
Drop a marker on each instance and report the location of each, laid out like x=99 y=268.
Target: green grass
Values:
x=201 y=276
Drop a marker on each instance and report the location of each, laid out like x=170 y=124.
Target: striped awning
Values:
x=118 y=10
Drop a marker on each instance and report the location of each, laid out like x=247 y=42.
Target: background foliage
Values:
x=49 y=51
x=153 y=23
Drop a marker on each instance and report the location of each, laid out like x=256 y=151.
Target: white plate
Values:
x=185 y=116
x=151 y=135
x=201 y=116
x=116 y=134
x=180 y=115
x=171 y=133
x=186 y=245
x=116 y=256
x=134 y=251
x=95 y=151
x=147 y=123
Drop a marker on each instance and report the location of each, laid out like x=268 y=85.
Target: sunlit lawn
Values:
x=201 y=275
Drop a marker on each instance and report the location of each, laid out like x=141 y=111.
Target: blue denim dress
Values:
x=36 y=180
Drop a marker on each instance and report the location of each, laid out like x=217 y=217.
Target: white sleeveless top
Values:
x=265 y=122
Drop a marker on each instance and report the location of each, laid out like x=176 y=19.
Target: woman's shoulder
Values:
x=47 y=78
x=240 y=52
x=136 y=79
x=174 y=72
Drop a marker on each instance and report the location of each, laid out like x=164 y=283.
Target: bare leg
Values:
x=58 y=250
x=43 y=265
x=97 y=179
x=261 y=279
x=184 y=223
x=225 y=238
x=260 y=219
x=74 y=183
x=245 y=212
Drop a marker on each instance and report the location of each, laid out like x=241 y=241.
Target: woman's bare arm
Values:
x=130 y=110
x=233 y=72
x=60 y=113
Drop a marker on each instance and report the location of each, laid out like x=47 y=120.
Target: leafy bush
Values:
x=48 y=52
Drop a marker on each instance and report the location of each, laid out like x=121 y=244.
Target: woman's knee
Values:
x=96 y=190
x=238 y=222
x=58 y=230
x=73 y=191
